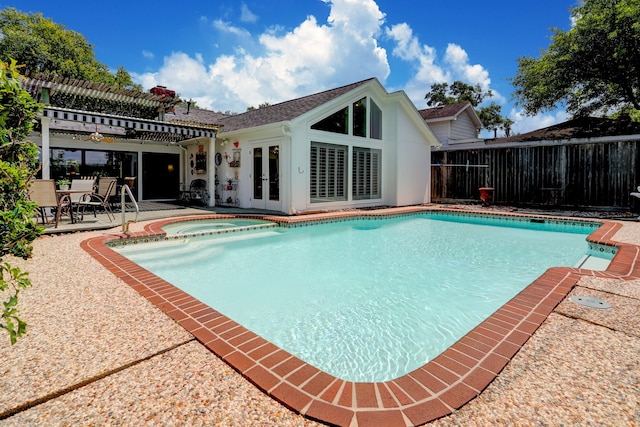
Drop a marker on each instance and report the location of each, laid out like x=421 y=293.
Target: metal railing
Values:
x=125 y=224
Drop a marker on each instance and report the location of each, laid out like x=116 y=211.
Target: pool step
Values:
x=185 y=250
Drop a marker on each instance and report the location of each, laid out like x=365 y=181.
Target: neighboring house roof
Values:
x=443 y=113
x=284 y=111
x=580 y=128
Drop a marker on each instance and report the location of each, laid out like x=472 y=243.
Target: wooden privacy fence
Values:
x=584 y=175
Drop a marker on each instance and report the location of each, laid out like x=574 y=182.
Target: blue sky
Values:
x=227 y=54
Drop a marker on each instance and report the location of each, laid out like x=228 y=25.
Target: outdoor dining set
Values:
x=84 y=192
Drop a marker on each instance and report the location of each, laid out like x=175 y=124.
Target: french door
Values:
x=265 y=177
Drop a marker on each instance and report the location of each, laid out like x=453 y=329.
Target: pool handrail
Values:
x=125 y=223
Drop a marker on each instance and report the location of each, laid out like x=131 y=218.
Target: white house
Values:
x=455 y=124
x=352 y=146
x=348 y=147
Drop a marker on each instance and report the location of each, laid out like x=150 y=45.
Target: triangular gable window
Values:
x=362 y=118
x=338 y=122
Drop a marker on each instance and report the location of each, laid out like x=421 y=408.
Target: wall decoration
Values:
x=218 y=159
x=235 y=162
x=201 y=162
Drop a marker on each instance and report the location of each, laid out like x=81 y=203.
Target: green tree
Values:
x=439 y=95
x=443 y=94
x=123 y=80
x=190 y=103
x=18 y=164
x=592 y=68
x=491 y=118
x=41 y=45
x=458 y=92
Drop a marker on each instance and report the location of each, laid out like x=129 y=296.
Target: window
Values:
x=360 y=117
x=375 y=121
x=328 y=172
x=68 y=163
x=366 y=173
x=338 y=122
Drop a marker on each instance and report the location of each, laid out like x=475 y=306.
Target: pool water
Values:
x=363 y=300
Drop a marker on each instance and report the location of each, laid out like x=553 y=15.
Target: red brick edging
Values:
x=432 y=391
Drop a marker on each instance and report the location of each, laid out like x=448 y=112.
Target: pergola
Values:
x=102 y=113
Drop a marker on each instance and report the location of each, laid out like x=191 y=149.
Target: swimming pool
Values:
x=434 y=390
x=366 y=299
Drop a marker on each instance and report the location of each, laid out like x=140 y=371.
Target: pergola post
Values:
x=46 y=172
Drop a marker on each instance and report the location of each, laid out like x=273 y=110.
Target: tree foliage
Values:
x=443 y=94
x=18 y=164
x=263 y=105
x=41 y=45
x=592 y=68
x=458 y=92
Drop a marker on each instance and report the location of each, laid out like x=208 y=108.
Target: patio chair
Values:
x=99 y=199
x=80 y=188
x=43 y=192
x=130 y=181
x=198 y=192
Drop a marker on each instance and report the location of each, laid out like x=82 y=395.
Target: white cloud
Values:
x=429 y=69
x=246 y=15
x=474 y=74
x=147 y=54
x=423 y=58
x=226 y=27
x=524 y=123
x=280 y=64
x=309 y=58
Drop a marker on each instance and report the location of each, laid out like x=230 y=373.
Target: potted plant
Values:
x=229 y=184
x=63 y=184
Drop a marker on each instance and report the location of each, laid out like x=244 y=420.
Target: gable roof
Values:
x=582 y=127
x=284 y=111
x=443 y=113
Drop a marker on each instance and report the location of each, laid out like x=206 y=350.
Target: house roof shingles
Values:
x=443 y=111
x=582 y=127
x=283 y=111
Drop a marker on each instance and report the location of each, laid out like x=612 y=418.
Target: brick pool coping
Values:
x=436 y=389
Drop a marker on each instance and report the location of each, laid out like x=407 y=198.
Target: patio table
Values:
x=64 y=201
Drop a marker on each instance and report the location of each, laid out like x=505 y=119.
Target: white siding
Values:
x=414 y=160
x=462 y=129
x=441 y=130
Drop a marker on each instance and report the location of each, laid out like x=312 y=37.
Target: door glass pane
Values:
x=257 y=173
x=274 y=173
